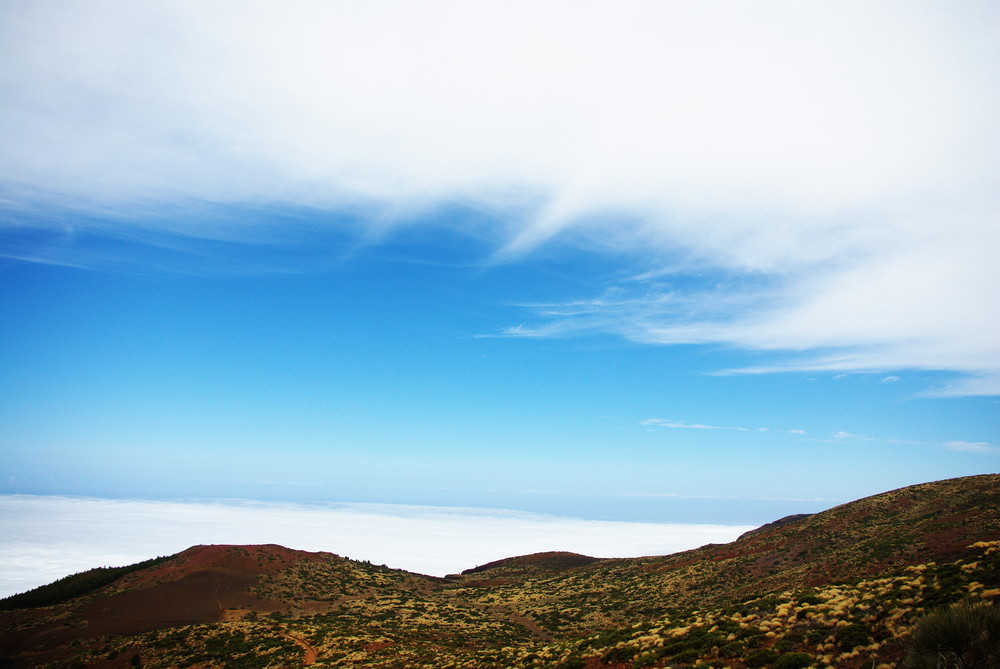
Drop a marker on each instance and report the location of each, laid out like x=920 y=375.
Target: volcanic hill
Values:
x=840 y=588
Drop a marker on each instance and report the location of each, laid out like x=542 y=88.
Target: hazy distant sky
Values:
x=709 y=262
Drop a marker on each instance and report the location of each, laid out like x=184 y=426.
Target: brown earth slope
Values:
x=202 y=584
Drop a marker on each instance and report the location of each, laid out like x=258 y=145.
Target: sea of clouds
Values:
x=43 y=538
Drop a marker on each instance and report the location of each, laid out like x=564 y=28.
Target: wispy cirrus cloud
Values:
x=836 y=436
x=972 y=447
x=671 y=495
x=661 y=422
x=841 y=435
x=961 y=446
x=814 y=181
x=684 y=425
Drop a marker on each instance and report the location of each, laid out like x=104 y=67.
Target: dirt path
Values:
x=504 y=612
x=215 y=595
x=301 y=642
x=529 y=624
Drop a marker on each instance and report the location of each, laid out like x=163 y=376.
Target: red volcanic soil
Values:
x=196 y=586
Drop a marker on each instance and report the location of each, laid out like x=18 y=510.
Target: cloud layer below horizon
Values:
x=43 y=538
x=818 y=179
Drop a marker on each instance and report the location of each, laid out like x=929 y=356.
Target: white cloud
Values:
x=850 y=436
x=680 y=424
x=43 y=538
x=661 y=422
x=754 y=499
x=831 y=166
x=965 y=446
x=971 y=447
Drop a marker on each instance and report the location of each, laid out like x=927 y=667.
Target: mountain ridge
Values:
x=354 y=613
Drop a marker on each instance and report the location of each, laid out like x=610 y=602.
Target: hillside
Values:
x=841 y=586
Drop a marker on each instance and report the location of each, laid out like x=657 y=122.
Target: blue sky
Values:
x=660 y=262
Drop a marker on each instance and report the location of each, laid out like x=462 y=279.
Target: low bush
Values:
x=793 y=661
x=852 y=636
x=964 y=636
x=760 y=657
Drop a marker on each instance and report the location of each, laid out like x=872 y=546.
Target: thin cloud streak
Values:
x=961 y=446
x=684 y=425
x=845 y=152
x=670 y=495
x=43 y=538
x=850 y=436
x=836 y=436
x=660 y=422
x=972 y=447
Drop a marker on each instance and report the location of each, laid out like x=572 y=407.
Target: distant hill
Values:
x=517 y=568
x=774 y=524
x=838 y=588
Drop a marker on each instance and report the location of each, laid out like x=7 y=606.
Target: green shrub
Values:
x=793 y=661
x=689 y=655
x=645 y=660
x=734 y=649
x=572 y=662
x=964 y=636
x=815 y=636
x=760 y=657
x=619 y=654
x=852 y=636
x=753 y=638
